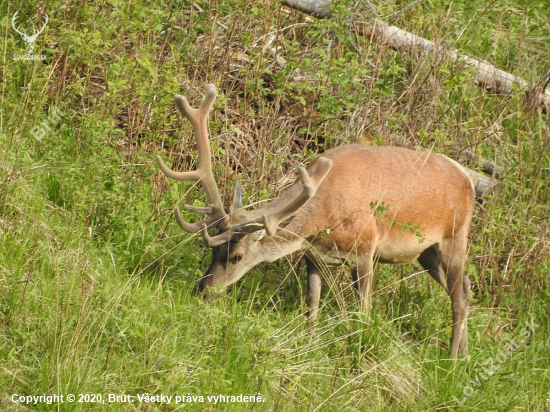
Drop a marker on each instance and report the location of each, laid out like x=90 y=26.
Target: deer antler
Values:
x=13 y=19
x=270 y=221
x=24 y=34
x=310 y=184
x=30 y=40
x=35 y=34
x=267 y=219
x=203 y=174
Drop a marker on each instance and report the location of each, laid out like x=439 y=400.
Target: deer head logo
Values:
x=29 y=40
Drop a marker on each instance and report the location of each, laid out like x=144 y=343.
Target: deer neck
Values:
x=290 y=238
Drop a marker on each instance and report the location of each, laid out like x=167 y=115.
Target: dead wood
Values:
x=491 y=168
x=485 y=74
x=484 y=185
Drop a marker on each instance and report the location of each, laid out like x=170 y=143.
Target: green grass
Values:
x=97 y=281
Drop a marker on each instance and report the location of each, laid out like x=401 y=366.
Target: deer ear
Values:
x=237 y=197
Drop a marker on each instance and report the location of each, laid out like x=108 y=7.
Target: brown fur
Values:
x=364 y=205
x=427 y=201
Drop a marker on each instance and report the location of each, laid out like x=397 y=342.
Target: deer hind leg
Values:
x=313 y=288
x=463 y=346
x=362 y=277
x=452 y=256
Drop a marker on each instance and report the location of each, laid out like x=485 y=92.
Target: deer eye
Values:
x=236 y=257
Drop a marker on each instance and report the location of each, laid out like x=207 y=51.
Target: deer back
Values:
x=395 y=201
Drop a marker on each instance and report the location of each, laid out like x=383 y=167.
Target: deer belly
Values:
x=401 y=253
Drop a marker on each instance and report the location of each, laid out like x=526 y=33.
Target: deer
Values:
x=355 y=204
x=29 y=40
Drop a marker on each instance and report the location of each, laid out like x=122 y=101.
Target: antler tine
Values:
x=214 y=219
x=203 y=173
x=43 y=27
x=13 y=19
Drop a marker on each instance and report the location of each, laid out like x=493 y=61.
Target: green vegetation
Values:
x=97 y=279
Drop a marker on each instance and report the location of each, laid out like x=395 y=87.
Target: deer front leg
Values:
x=362 y=276
x=313 y=288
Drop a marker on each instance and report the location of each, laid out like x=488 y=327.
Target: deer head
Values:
x=29 y=40
x=239 y=232
x=354 y=204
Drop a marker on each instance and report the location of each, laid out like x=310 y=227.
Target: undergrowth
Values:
x=97 y=281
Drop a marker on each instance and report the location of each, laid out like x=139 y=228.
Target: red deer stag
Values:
x=354 y=204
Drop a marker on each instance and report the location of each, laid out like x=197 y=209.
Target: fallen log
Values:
x=484 y=185
x=491 y=168
x=485 y=74
x=316 y=8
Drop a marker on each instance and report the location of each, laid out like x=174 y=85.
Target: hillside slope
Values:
x=97 y=280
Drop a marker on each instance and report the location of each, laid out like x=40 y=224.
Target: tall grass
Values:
x=96 y=279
